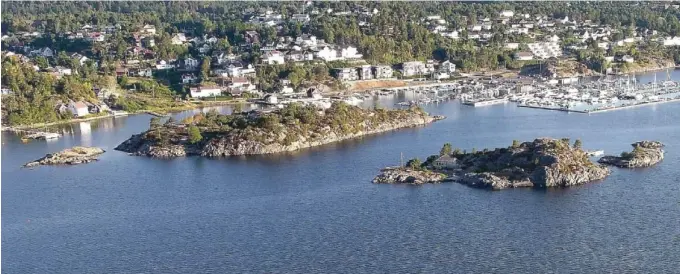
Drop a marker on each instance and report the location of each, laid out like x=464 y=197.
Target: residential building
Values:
x=382 y=72
x=447 y=67
x=327 y=54
x=445 y=162
x=148 y=42
x=671 y=41
x=149 y=29
x=252 y=37
x=79 y=109
x=507 y=13
x=191 y=63
x=273 y=57
x=627 y=59
x=162 y=64
x=545 y=50
x=346 y=74
x=300 y=18
x=204 y=91
x=413 y=68
x=178 y=39
x=511 y=45
x=271 y=99
x=63 y=70
x=189 y=78
x=524 y=56
x=364 y=72
x=81 y=59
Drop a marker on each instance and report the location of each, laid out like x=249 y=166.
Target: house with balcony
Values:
x=382 y=72
x=413 y=68
x=365 y=72
x=346 y=74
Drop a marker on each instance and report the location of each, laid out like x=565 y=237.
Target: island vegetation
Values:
x=256 y=132
x=541 y=163
x=644 y=154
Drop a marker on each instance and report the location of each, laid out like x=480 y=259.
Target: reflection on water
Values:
x=85 y=133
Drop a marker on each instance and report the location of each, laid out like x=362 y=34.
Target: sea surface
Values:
x=316 y=211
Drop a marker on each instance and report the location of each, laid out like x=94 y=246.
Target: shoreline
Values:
x=158 y=113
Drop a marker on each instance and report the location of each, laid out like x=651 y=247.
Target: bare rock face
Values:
x=71 y=156
x=644 y=154
x=408 y=176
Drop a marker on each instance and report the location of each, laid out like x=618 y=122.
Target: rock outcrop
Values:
x=539 y=164
x=408 y=176
x=272 y=133
x=71 y=156
x=644 y=154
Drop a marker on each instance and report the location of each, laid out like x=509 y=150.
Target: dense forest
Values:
x=396 y=34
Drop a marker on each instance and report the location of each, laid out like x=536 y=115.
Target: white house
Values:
x=162 y=64
x=511 y=45
x=453 y=34
x=627 y=59
x=671 y=41
x=79 y=109
x=273 y=57
x=447 y=67
x=286 y=90
x=507 y=13
x=63 y=70
x=350 y=53
x=150 y=29
x=327 y=54
x=204 y=91
x=445 y=162
x=81 y=59
x=271 y=99
x=524 y=56
x=178 y=39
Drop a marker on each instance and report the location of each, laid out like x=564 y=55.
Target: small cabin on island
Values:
x=445 y=162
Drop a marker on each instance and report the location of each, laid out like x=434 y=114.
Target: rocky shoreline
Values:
x=644 y=154
x=398 y=175
x=70 y=156
x=539 y=164
x=254 y=141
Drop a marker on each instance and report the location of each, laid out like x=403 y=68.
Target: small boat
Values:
x=594 y=153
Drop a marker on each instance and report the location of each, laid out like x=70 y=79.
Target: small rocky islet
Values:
x=644 y=154
x=293 y=127
x=542 y=163
x=71 y=156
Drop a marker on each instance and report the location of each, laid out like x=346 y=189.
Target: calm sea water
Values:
x=315 y=211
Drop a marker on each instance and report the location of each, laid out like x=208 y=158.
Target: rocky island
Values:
x=70 y=156
x=542 y=163
x=294 y=127
x=644 y=154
